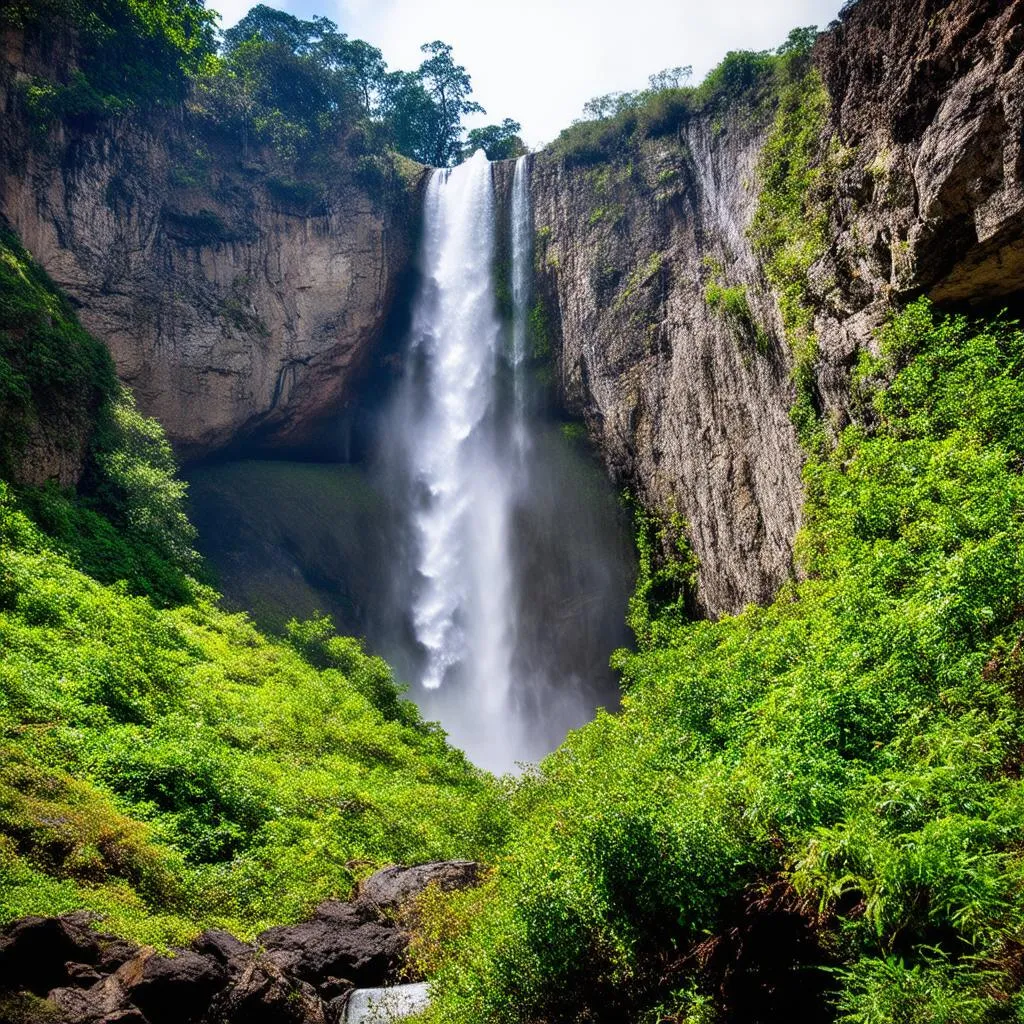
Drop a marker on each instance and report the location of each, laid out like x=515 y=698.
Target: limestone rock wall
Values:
x=690 y=408
x=236 y=300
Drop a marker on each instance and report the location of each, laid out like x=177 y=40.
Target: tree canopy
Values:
x=275 y=78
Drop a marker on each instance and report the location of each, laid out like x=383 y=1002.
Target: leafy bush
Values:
x=857 y=742
x=128 y=53
x=743 y=80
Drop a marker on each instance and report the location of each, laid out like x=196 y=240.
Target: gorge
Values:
x=779 y=309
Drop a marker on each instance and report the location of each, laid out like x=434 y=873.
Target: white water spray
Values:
x=462 y=491
x=508 y=554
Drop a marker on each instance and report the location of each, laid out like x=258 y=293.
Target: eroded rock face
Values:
x=689 y=407
x=235 y=299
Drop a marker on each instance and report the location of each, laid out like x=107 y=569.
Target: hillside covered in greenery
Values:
x=808 y=811
x=296 y=85
x=162 y=761
x=813 y=803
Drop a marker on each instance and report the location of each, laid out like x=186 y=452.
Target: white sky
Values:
x=539 y=62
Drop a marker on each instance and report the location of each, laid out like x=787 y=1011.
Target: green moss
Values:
x=50 y=369
x=642 y=275
x=731 y=303
x=612 y=214
x=538 y=333
x=788 y=229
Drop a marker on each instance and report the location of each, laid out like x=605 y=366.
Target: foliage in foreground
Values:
x=854 y=747
x=161 y=761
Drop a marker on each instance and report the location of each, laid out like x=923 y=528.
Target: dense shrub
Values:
x=743 y=81
x=857 y=741
x=127 y=53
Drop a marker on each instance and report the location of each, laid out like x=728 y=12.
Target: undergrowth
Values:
x=840 y=769
x=162 y=762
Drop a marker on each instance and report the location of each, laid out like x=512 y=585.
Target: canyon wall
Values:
x=689 y=405
x=237 y=293
x=240 y=296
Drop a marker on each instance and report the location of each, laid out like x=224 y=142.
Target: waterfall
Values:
x=522 y=275
x=508 y=538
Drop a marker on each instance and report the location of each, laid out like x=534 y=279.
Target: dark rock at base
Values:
x=264 y=993
x=172 y=990
x=387 y=891
x=229 y=952
x=305 y=976
x=34 y=951
x=337 y=942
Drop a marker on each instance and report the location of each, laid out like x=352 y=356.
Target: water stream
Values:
x=488 y=492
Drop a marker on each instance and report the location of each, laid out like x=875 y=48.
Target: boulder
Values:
x=35 y=951
x=338 y=941
x=387 y=891
x=172 y=990
x=265 y=993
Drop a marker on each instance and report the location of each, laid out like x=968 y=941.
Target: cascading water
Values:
x=522 y=272
x=461 y=491
x=508 y=535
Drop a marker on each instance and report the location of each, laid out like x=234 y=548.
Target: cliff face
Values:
x=237 y=295
x=689 y=404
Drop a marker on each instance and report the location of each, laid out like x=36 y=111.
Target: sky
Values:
x=539 y=61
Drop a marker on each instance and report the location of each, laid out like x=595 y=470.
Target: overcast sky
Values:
x=539 y=61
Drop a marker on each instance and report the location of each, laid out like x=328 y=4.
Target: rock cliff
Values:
x=690 y=406
x=236 y=293
x=239 y=296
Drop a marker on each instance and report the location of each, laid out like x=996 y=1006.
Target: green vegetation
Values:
x=744 y=81
x=796 y=170
x=129 y=53
x=498 y=141
x=730 y=302
x=812 y=804
x=298 y=86
x=789 y=224
x=162 y=761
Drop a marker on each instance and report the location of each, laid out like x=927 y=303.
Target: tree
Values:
x=671 y=78
x=363 y=65
x=280 y=29
x=799 y=41
x=498 y=141
x=448 y=86
x=610 y=104
x=408 y=113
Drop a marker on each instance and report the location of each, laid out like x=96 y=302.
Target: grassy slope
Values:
x=160 y=759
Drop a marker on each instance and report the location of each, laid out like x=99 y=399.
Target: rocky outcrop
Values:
x=689 y=416
x=689 y=406
x=294 y=974
x=238 y=294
